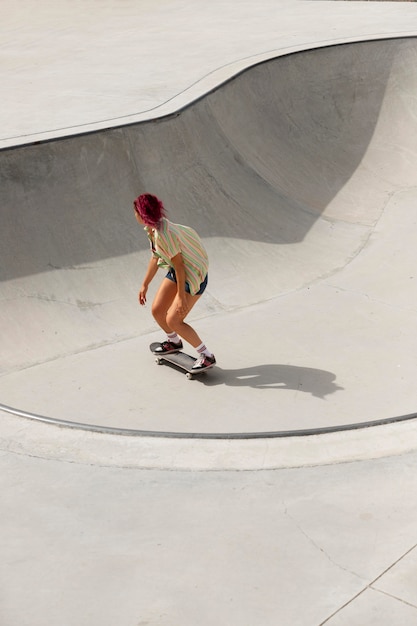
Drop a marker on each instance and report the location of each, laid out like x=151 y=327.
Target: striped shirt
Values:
x=169 y=240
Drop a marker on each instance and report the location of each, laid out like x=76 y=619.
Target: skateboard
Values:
x=179 y=359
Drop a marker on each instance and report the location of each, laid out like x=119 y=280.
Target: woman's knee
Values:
x=174 y=319
x=159 y=311
x=163 y=300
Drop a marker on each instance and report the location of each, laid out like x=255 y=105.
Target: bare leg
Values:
x=176 y=320
x=164 y=298
x=166 y=314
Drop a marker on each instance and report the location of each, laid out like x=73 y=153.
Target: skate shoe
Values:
x=168 y=347
x=203 y=362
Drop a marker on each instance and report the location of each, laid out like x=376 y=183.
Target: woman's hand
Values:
x=150 y=273
x=182 y=306
x=142 y=295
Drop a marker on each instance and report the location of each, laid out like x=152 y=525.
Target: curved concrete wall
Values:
x=284 y=171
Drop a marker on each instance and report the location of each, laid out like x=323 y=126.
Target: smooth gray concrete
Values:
x=71 y=68
x=102 y=529
x=300 y=176
x=92 y=545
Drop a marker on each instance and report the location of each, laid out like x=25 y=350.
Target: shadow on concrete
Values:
x=318 y=383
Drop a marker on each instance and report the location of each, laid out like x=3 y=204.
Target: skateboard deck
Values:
x=180 y=359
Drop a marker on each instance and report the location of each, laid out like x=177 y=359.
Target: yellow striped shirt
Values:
x=169 y=240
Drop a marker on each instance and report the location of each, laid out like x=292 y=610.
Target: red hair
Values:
x=150 y=209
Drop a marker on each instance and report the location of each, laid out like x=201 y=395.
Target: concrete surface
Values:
x=101 y=529
x=300 y=176
x=76 y=67
x=94 y=545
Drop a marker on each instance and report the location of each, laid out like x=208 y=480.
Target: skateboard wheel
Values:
x=158 y=360
x=189 y=376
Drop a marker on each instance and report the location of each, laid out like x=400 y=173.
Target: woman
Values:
x=178 y=249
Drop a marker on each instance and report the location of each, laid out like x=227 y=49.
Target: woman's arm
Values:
x=178 y=263
x=150 y=273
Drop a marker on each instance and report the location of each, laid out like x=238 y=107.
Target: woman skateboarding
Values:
x=179 y=250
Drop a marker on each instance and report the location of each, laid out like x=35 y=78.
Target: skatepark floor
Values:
x=278 y=487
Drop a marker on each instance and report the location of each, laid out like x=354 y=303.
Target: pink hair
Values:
x=150 y=208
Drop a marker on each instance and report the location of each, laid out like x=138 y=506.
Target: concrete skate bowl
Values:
x=300 y=175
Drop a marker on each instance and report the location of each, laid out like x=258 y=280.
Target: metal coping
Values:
x=95 y=428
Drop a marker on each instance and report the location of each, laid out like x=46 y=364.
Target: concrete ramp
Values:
x=300 y=175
